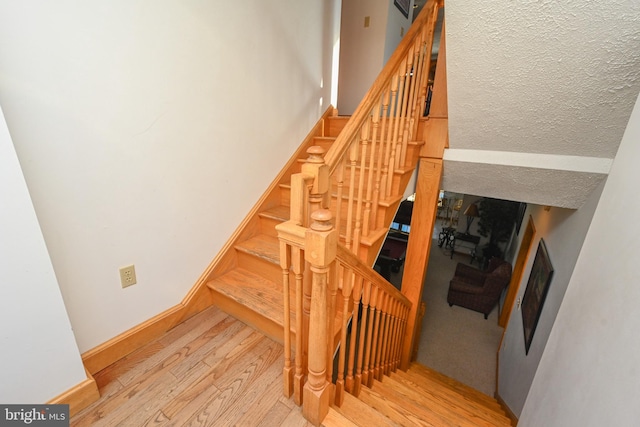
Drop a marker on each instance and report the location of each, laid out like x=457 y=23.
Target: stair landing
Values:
x=421 y=397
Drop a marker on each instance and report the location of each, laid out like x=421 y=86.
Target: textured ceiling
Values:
x=543 y=76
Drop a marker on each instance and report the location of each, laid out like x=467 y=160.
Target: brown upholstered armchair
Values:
x=479 y=290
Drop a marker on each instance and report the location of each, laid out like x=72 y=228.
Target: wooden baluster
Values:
x=366 y=376
x=378 y=341
x=400 y=111
x=287 y=371
x=375 y=119
x=408 y=121
x=396 y=338
x=417 y=106
x=347 y=287
x=393 y=337
x=331 y=316
x=388 y=341
x=384 y=340
x=408 y=84
x=364 y=143
x=340 y=181
x=386 y=171
x=397 y=353
x=374 y=337
x=366 y=298
x=320 y=251
x=377 y=191
x=357 y=295
x=429 y=30
x=307 y=283
x=403 y=330
x=297 y=263
x=353 y=162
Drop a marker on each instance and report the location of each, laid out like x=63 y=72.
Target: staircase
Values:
x=299 y=267
x=247 y=283
x=418 y=397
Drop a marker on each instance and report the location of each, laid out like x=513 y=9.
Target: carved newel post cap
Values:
x=321 y=220
x=316 y=154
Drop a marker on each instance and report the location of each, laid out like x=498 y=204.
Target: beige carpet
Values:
x=456 y=341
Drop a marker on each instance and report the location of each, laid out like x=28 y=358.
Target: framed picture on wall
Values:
x=536 y=292
x=403 y=6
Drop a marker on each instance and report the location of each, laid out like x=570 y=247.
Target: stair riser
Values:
x=268 y=226
x=323 y=142
x=240 y=312
x=334 y=125
x=260 y=266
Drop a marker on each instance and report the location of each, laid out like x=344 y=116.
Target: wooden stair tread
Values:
x=427 y=383
x=261 y=296
x=252 y=291
x=442 y=397
x=362 y=414
x=400 y=413
x=434 y=389
x=262 y=246
x=278 y=213
x=335 y=419
x=422 y=373
x=427 y=409
x=422 y=397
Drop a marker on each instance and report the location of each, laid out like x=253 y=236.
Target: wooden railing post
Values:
x=316 y=167
x=321 y=242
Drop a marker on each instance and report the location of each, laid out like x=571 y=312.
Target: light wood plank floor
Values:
x=211 y=370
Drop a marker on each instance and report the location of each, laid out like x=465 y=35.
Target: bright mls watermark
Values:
x=34 y=415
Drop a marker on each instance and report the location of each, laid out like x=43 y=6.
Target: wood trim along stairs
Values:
x=199 y=297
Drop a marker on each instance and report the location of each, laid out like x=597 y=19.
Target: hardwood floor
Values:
x=211 y=370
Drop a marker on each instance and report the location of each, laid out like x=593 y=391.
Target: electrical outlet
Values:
x=128 y=276
x=367 y=21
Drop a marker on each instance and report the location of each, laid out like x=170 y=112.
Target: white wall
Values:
x=589 y=374
x=397 y=26
x=39 y=355
x=563 y=231
x=361 y=49
x=365 y=50
x=146 y=132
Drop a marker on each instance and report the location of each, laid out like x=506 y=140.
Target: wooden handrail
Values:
x=345 y=256
x=369 y=162
x=379 y=311
x=372 y=97
x=365 y=160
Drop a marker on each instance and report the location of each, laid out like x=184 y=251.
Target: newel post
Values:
x=320 y=251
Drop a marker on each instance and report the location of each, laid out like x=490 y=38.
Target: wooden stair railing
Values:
x=374 y=146
x=377 y=314
x=371 y=156
x=374 y=310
